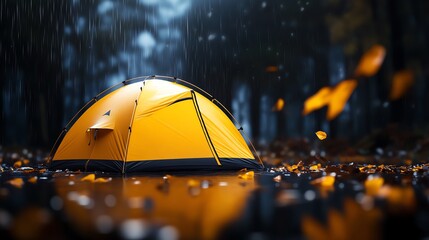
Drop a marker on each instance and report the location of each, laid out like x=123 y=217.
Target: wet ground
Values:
x=295 y=197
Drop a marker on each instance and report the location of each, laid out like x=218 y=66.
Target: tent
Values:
x=152 y=124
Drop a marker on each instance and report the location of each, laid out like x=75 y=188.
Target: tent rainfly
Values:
x=152 y=124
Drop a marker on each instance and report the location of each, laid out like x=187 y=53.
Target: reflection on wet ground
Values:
x=342 y=201
x=285 y=201
x=87 y=205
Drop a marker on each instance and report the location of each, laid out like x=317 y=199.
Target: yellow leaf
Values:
x=321 y=135
x=402 y=82
x=339 y=97
x=278 y=106
x=32 y=179
x=247 y=176
x=315 y=167
x=318 y=100
x=89 y=178
x=16 y=182
x=371 y=61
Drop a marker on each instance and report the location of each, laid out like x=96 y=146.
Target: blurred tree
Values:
x=31 y=41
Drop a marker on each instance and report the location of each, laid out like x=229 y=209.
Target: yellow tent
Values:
x=152 y=124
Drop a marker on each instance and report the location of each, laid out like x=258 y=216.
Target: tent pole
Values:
x=203 y=126
x=130 y=126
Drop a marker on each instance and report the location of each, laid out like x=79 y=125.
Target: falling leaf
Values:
x=401 y=83
x=321 y=135
x=373 y=183
x=371 y=61
x=16 y=182
x=247 y=176
x=32 y=179
x=278 y=106
x=89 y=178
x=277 y=178
x=271 y=69
x=339 y=97
x=317 y=101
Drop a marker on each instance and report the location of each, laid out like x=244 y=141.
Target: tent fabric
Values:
x=153 y=125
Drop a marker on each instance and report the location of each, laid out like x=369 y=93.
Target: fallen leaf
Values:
x=315 y=167
x=16 y=182
x=339 y=97
x=89 y=178
x=321 y=135
x=371 y=61
x=247 y=176
x=25 y=161
x=277 y=178
x=401 y=83
x=317 y=101
x=278 y=106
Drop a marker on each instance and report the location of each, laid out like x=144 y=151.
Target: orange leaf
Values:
x=339 y=97
x=278 y=106
x=371 y=61
x=89 y=178
x=402 y=81
x=16 y=182
x=318 y=100
x=321 y=135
